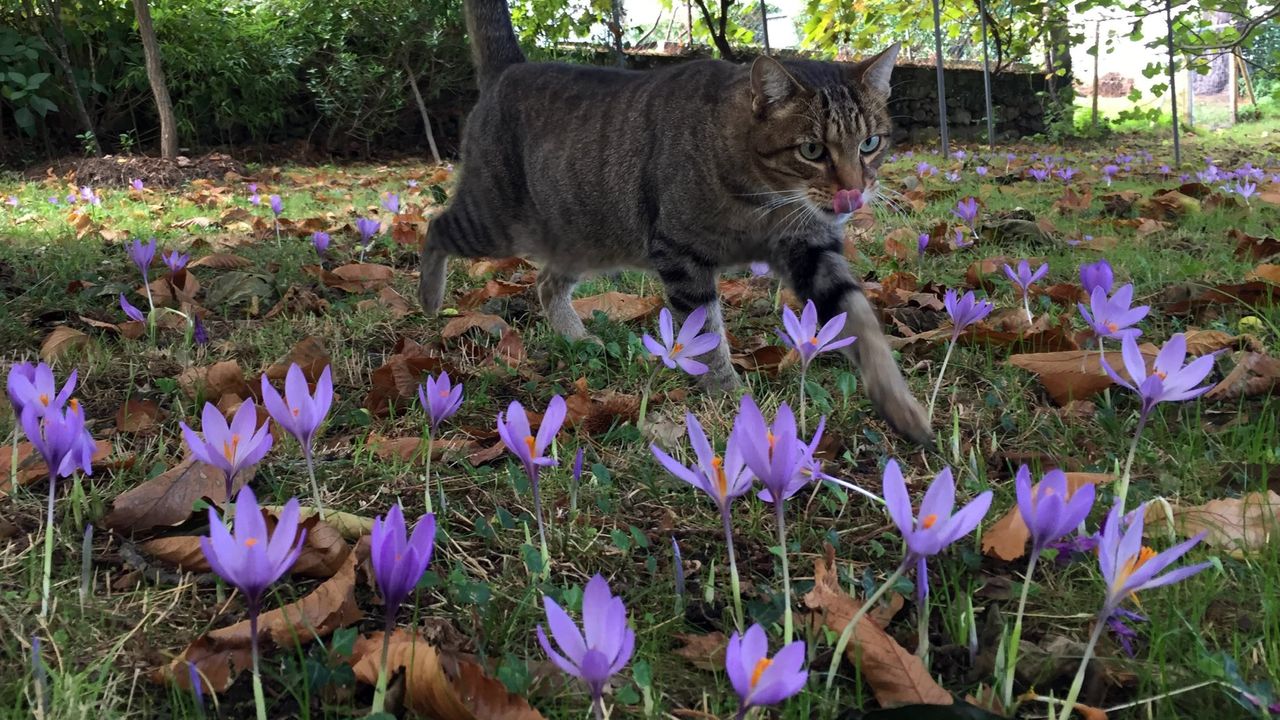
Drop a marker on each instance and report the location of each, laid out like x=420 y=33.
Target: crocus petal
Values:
x=564 y=631
x=665 y=328
x=559 y=660
x=964 y=522
x=692 y=325
x=896 y=498
x=551 y=422
x=596 y=601
x=734 y=665
x=700 y=345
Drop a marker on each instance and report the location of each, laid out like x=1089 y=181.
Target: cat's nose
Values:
x=846 y=201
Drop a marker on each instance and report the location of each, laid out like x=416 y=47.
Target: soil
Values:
x=119 y=170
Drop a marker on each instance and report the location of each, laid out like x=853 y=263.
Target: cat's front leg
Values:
x=817 y=271
x=692 y=284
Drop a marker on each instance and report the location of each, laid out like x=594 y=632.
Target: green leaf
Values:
x=22 y=116
x=36 y=80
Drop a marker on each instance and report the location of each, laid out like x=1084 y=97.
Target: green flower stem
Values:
x=1128 y=463
x=1078 y=683
x=1011 y=655
x=788 y=623
x=380 y=691
x=870 y=603
x=259 y=699
x=933 y=399
x=48 y=547
x=644 y=397
x=734 y=584
x=542 y=532
x=426 y=481
x=311 y=474
x=804 y=426
x=922 y=631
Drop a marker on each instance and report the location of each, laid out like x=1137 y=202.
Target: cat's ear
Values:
x=874 y=72
x=771 y=84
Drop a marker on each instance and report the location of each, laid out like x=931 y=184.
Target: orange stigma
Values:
x=677 y=348
x=229 y=449
x=722 y=482
x=529 y=441
x=295 y=411
x=44 y=399
x=250 y=542
x=1133 y=563
x=1113 y=327
x=1162 y=374
x=928 y=521
x=444 y=393
x=813 y=340
x=761 y=665
x=74 y=404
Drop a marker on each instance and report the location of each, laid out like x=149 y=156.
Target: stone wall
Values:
x=1018 y=95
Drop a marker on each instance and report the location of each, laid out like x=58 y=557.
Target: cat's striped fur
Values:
x=684 y=171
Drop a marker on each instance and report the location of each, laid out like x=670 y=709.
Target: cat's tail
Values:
x=493 y=40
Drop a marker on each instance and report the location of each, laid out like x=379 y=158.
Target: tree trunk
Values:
x=155 y=75
x=719 y=38
x=62 y=57
x=422 y=108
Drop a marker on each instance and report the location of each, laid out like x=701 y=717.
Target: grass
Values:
x=100 y=653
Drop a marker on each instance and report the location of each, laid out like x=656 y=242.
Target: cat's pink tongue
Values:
x=846 y=201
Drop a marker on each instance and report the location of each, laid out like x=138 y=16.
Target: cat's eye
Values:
x=870 y=145
x=812 y=151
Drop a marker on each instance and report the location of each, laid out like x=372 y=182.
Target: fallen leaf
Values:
x=1254 y=374
x=359 y=277
x=397 y=380
x=440 y=685
x=309 y=354
x=31 y=465
x=1265 y=273
x=480 y=268
x=62 y=340
x=1203 y=342
x=896 y=676
x=1007 y=538
x=1252 y=247
x=619 y=307
x=298 y=301
x=167 y=499
x=222 y=654
x=491 y=289
x=214 y=381
x=1075 y=374
x=598 y=412
x=468 y=320
x=1182 y=299
x=1169 y=206
x=136 y=416
x=350 y=525
x=389 y=300
x=1238 y=525
x=413 y=449
x=221 y=261
x=705 y=652
x=766 y=358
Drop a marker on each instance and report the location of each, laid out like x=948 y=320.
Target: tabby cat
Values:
x=684 y=171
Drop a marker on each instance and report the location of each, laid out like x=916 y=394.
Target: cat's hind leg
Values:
x=555 y=292
x=433 y=270
x=457 y=231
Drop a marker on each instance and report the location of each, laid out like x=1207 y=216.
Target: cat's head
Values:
x=819 y=132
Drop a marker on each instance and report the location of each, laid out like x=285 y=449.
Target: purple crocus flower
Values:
x=398 y=559
x=1170 y=381
x=391 y=202
x=367 y=227
x=440 y=398
x=1109 y=172
x=513 y=428
x=1113 y=317
x=936 y=527
x=299 y=412
x=1164 y=170
x=1066 y=174
x=229 y=447
x=952 y=176
x=90 y=196
x=1024 y=277
x=1128 y=567
x=922 y=244
x=61 y=438
x=201 y=335
x=967 y=211
x=981 y=170
x=602 y=650
x=774 y=453
x=143 y=255
x=411 y=183
x=1245 y=190
x=759 y=269
x=924 y=169
x=136 y=184
x=130 y=311
x=680 y=349
x=1097 y=275
x=320 y=241
x=252 y=559
x=1040 y=174
x=71 y=198
x=959 y=155
x=1118 y=625
x=255 y=199
x=1050 y=510
x=804 y=335
x=175 y=260
x=33 y=388
x=277 y=205
x=724 y=478
x=758 y=679
x=965 y=311
x=53 y=200
x=11 y=201
x=197 y=685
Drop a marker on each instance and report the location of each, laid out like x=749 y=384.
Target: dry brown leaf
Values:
x=136 y=416
x=480 y=268
x=222 y=654
x=62 y=340
x=309 y=354
x=619 y=307
x=298 y=301
x=740 y=291
x=31 y=466
x=598 y=412
x=1252 y=247
x=397 y=380
x=390 y=300
x=440 y=685
x=896 y=676
x=491 y=289
x=468 y=320
x=222 y=261
x=705 y=652
x=1203 y=342
x=413 y=449
x=510 y=349
x=1007 y=538
x=1265 y=273
x=1182 y=299
x=1254 y=374
x=167 y=499
x=216 y=380
x=1238 y=525
x=1075 y=374
x=766 y=358
x=359 y=277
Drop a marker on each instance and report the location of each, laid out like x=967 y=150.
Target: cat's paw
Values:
x=906 y=416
